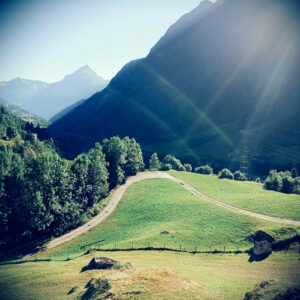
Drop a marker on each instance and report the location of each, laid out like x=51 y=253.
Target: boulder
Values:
x=263 y=248
x=260 y=236
x=102 y=263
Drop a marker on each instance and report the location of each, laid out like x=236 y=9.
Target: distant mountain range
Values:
x=46 y=100
x=222 y=86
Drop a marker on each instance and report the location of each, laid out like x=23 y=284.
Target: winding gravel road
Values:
x=120 y=191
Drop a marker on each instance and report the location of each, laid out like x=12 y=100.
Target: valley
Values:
x=160 y=213
x=178 y=178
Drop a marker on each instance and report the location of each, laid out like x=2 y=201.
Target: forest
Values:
x=41 y=193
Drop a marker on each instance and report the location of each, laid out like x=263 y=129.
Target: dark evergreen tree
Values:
x=294 y=173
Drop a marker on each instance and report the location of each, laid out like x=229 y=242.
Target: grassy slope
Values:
x=152 y=206
x=220 y=276
x=248 y=195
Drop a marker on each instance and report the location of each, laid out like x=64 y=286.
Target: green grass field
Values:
x=153 y=206
x=218 y=276
x=247 y=195
x=148 y=208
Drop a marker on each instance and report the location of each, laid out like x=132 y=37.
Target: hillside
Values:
x=46 y=100
x=154 y=206
x=221 y=83
x=160 y=213
x=24 y=115
x=156 y=275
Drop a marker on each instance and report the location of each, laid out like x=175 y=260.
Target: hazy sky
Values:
x=47 y=39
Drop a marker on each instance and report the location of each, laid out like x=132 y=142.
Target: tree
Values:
x=206 y=170
x=225 y=173
x=287 y=185
x=154 y=163
x=188 y=167
x=294 y=173
x=296 y=188
x=97 y=175
x=134 y=157
x=166 y=167
x=115 y=152
x=239 y=176
x=11 y=132
x=174 y=162
x=80 y=169
x=273 y=181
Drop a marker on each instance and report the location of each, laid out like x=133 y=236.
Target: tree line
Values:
x=43 y=193
x=285 y=182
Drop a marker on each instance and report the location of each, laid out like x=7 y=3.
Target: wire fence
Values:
x=82 y=250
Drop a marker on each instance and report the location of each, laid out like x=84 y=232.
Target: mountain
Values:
x=23 y=114
x=221 y=86
x=18 y=91
x=45 y=99
x=66 y=110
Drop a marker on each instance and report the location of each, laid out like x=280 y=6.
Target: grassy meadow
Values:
x=154 y=206
x=156 y=275
x=248 y=195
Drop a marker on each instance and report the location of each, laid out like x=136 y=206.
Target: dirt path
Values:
x=120 y=191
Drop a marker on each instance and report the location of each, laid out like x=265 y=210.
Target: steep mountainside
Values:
x=222 y=86
x=45 y=99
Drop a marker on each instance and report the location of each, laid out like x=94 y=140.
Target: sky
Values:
x=47 y=39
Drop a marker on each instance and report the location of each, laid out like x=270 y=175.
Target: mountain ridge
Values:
x=47 y=99
x=206 y=89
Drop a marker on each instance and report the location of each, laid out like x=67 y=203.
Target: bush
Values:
x=258 y=180
x=225 y=173
x=96 y=287
x=174 y=162
x=188 y=167
x=287 y=185
x=154 y=163
x=166 y=167
x=272 y=290
x=273 y=181
x=294 y=173
x=239 y=176
x=296 y=187
x=206 y=170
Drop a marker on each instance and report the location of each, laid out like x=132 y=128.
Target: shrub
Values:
x=296 y=187
x=294 y=173
x=96 y=287
x=188 y=167
x=174 y=162
x=258 y=180
x=154 y=163
x=287 y=185
x=273 y=181
x=166 y=167
x=225 y=173
x=206 y=170
x=239 y=176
